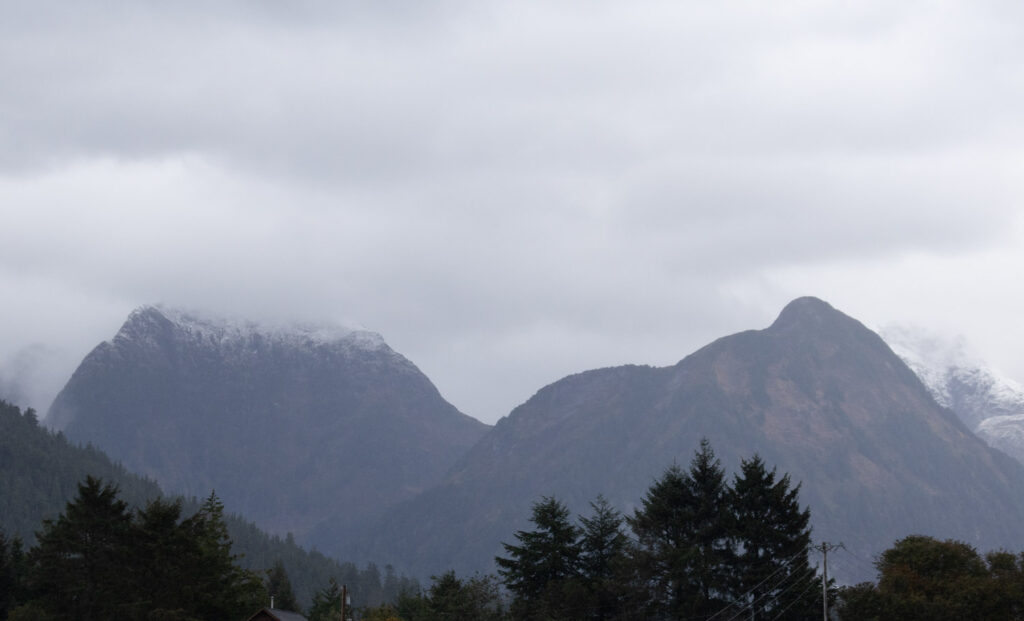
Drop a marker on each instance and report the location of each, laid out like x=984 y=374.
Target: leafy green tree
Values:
x=771 y=571
x=863 y=602
x=603 y=547
x=684 y=533
x=931 y=579
x=1006 y=579
x=542 y=570
x=279 y=587
x=923 y=578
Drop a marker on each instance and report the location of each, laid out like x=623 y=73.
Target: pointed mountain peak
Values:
x=806 y=310
x=812 y=316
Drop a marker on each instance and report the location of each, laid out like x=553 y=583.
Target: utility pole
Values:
x=825 y=548
x=344 y=602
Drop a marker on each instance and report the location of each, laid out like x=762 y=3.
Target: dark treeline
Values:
x=40 y=472
x=101 y=560
x=698 y=547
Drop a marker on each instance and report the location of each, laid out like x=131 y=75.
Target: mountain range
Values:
x=290 y=424
x=816 y=394
x=335 y=437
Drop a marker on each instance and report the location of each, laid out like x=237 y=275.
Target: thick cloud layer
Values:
x=508 y=192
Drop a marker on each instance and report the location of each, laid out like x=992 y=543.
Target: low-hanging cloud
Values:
x=507 y=192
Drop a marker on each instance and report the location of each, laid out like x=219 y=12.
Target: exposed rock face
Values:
x=290 y=425
x=816 y=394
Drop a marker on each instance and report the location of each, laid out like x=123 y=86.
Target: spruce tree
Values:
x=683 y=530
x=542 y=570
x=772 y=572
x=279 y=587
x=327 y=602
x=603 y=548
x=78 y=567
x=222 y=588
x=11 y=570
x=452 y=599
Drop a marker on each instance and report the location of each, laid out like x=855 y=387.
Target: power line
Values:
x=782 y=566
x=795 y=600
x=807 y=572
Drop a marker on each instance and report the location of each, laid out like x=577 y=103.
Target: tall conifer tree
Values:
x=683 y=530
x=772 y=570
x=279 y=587
x=603 y=548
x=542 y=570
x=78 y=566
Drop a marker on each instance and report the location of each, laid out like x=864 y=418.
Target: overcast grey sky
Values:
x=508 y=192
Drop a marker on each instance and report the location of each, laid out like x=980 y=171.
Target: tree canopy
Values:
x=99 y=560
x=921 y=577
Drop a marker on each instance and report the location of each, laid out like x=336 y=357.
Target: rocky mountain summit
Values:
x=290 y=424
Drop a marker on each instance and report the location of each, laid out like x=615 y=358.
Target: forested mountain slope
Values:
x=40 y=472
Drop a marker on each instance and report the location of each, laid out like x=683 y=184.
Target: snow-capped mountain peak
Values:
x=225 y=331
x=988 y=402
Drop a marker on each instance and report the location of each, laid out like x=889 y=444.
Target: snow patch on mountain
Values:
x=209 y=328
x=986 y=401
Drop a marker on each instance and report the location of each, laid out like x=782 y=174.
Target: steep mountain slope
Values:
x=816 y=393
x=40 y=472
x=991 y=405
x=290 y=425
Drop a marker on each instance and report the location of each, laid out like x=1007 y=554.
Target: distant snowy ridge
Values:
x=221 y=330
x=991 y=404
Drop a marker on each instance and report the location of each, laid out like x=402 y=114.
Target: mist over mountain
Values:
x=290 y=424
x=816 y=394
x=989 y=403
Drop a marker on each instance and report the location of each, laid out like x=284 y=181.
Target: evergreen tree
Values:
x=12 y=569
x=603 y=547
x=99 y=561
x=161 y=565
x=327 y=603
x=542 y=570
x=79 y=568
x=452 y=599
x=772 y=570
x=279 y=587
x=683 y=529
x=222 y=588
